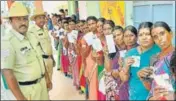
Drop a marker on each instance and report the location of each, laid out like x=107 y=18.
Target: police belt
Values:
x=31 y=82
x=46 y=56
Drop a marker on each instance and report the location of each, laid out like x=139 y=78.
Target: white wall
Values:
x=4 y=8
x=128 y=13
x=53 y=6
x=82 y=10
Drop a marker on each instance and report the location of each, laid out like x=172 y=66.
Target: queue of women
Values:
x=109 y=62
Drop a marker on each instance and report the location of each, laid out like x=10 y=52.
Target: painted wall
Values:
x=82 y=9
x=128 y=13
x=93 y=8
x=71 y=8
x=86 y=8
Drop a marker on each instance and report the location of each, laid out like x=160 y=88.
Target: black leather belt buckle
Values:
x=28 y=82
x=45 y=56
x=32 y=82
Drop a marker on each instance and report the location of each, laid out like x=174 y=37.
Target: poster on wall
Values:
x=113 y=10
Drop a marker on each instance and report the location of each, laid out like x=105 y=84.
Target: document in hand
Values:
x=136 y=61
x=57 y=33
x=122 y=53
x=89 y=38
x=74 y=34
x=163 y=80
x=70 y=38
x=97 y=44
x=60 y=32
x=110 y=43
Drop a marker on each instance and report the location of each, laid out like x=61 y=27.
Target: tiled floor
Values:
x=63 y=88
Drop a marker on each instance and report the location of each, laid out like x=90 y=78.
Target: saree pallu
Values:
x=71 y=58
x=82 y=79
x=75 y=72
x=64 y=61
x=123 y=90
x=59 y=52
x=93 y=83
x=122 y=86
x=73 y=66
x=101 y=83
x=111 y=87
x=162 y=67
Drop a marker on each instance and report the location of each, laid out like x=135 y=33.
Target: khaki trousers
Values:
x=36 y=91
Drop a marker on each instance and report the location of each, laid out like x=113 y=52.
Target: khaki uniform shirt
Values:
x=22 y=54
x=43 y=37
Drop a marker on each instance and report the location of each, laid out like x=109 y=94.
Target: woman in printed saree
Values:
x=121 y=47
x=100 y=61
x=91 y=67
x=60 y=47
x=163 y=83
x=54 y=31
x=110 y=62
x=83 y=84
x=64 y=50
x=129 y=38
x=78 y=51
x=72 y=55
x=137 y=59
x=85 y=52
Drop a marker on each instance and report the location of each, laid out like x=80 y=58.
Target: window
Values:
x=154 y=11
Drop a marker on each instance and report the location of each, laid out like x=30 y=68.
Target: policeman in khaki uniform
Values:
x=21 y=59
x=43 y=37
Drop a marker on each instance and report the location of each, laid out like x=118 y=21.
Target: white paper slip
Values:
x=89 y=38
x=57 y=33
x=122 y=53
x=74 y=34
x=65 y=33
x=97 y=45
x=110 y=43
x=70 y=38
x=56 y=27
x=136 y=61
x=163 y=80
x=61 y=30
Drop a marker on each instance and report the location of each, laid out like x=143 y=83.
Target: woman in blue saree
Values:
x=137 y=59
x=162 y=35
